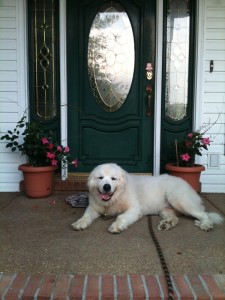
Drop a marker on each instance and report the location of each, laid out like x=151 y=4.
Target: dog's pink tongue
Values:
x=105 y=197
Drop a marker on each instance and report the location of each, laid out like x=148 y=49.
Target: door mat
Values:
x=78 y=199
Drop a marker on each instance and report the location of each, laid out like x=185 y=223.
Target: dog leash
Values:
x=162 y=260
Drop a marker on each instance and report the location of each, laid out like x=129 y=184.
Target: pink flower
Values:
x=44 y=141
x=75 y=163
x=59 y=148
x=206 y=141
x=54 y=162
x=67 y=149
x=50 y=155
x=190 y=135
x=50 y=146
x=185 y=157
x=188 y=144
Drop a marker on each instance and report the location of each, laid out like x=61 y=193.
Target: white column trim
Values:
x=22 y=62
x=63 y=78
x=22 y=55
x=158 y=87
x=199 y=66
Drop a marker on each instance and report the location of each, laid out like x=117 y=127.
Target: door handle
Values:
x=148 y=90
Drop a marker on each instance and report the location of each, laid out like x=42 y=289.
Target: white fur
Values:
x=129 y=197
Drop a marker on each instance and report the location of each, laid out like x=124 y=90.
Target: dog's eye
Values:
x=113 y=178
x=100 y=177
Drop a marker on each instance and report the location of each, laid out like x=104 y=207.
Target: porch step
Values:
x=67 y=286
x=74 y=182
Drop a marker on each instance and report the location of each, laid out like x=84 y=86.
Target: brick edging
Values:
x=102 y=287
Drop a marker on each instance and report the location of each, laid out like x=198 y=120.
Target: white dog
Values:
x=114 y=192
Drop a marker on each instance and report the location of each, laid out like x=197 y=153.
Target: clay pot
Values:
x=38 y=181
x=189 y=174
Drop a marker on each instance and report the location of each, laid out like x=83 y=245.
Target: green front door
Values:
x=110 y=98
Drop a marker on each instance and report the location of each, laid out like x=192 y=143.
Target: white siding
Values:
x=11 y=97
x=213 y=106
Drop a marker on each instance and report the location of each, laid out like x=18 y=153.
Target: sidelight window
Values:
x=43 y=52
x=177 y=58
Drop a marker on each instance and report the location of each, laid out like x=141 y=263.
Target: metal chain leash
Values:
x=162 y=260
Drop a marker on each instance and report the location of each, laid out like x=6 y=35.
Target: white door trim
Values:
x=63 y=79
x=199 y=70
x=158 y=87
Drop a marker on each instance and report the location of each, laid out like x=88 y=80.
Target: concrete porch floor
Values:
x=37 y=240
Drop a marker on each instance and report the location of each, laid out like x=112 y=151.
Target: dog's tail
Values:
x=216 y=218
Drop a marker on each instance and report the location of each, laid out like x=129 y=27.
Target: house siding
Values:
x=9 y=94
x=213 y=106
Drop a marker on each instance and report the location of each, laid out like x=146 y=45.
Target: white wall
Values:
x=213 y=105
x=12 y=85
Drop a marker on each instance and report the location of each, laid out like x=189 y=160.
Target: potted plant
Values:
x=186 y=150
x=43 y=152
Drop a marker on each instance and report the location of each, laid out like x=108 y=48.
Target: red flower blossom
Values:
x=67 y=149
x=190 y=135
x=75 y=163
x=50 y=146
x=206 y=141
x=50 y=155
x=185 y=157
x=44 y=141
x=54 y=162
x=188 y=144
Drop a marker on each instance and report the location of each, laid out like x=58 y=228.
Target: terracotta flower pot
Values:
x=189 y=174
x=38 y=181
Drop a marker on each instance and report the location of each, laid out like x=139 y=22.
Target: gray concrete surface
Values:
x=36 y=237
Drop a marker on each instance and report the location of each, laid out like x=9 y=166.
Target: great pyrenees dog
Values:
x=114 y=192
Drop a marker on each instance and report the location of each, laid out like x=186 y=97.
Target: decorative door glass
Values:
x=177 y=59
x=43 y=57
x=111 y=56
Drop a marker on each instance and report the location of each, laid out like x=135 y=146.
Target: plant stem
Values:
x=176 y=152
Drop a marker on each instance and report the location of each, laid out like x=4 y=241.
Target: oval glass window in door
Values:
x=111 y=56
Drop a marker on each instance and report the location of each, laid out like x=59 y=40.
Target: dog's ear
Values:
x=90 y=180
x=123 y=176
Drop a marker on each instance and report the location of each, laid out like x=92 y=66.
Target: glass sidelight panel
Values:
x=177 y=58
x=111 y=56
x=43 y=58
x=178 y=75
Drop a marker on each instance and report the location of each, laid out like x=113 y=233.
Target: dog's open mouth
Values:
x=105 y=196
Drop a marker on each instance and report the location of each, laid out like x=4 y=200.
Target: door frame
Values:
x=24 y=75
x=158 y=79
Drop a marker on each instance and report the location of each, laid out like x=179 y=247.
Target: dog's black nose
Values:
x=106 y=187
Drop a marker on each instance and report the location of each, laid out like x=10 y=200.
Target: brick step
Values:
x=77 y=182
x=102 y=287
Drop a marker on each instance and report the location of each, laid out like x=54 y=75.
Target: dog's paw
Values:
x=81 y=224
x=205 y=226
x=166 y=224
x=116 y=227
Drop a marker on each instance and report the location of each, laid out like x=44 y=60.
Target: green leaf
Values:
x=9 y=145
x=14 y=137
